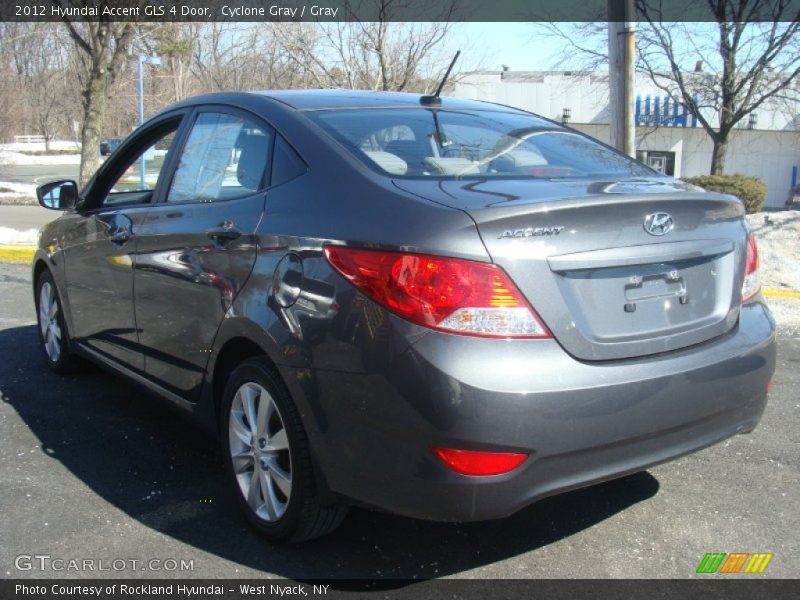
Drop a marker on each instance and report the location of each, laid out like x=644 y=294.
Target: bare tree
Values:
x=270 y=65
x=220 y=54
x=589 y=42
x=379 y=55
x=40 y=63
x=745 y=58
x=36 y=64
x=15 y=115
x=749 y=62
x=175 y=44
x=102 y=46
x=202 y=57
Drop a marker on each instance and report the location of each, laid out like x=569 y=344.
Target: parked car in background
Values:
x=445 y=309
x=108 y=146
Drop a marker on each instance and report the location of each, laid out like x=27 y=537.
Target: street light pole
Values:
x=142 y=60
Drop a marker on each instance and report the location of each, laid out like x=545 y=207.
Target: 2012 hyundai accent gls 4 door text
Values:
x=440 y=308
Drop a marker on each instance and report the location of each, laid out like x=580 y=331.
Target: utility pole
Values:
x=142 y=60
x=621 y=52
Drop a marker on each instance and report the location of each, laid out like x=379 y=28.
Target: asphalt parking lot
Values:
x=37 y=173
x=90 y=467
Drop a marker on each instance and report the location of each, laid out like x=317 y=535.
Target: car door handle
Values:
x=227 y=231
x=120 y=235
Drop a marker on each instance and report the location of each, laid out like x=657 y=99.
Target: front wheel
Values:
x=268 y=459
x=53 y=334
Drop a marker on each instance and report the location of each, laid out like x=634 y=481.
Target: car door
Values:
x=100 y=249
x=197 y=247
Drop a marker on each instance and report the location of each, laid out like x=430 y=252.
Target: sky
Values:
x=530 y=47
x=520 y=46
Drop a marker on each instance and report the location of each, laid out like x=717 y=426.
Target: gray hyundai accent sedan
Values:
x=441 y=308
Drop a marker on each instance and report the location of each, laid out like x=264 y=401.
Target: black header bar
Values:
x=712 y=587
x=383 y=10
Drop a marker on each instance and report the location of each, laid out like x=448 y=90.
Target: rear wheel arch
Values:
x=233 y=352
x=238 y=339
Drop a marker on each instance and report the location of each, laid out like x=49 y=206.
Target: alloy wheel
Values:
x=259 y=448
x=48 y=321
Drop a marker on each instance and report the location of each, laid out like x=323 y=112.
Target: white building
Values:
x=766 y=146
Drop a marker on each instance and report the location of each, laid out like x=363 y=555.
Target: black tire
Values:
x=305 y=517
x=66 y=360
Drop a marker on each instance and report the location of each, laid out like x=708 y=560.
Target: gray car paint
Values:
x=596 y=218
x=377 y=392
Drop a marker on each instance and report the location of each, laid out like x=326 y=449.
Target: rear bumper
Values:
x=372 y=431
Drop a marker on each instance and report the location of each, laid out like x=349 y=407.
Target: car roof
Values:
x=315 y=99
x=337 y=99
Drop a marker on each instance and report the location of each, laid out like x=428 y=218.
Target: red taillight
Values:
x=473 y=462
x=751 y=284
x=450 y=294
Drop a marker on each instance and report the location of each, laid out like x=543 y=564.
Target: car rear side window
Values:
x=286 y=163
x=225 y=156
x=428 y=142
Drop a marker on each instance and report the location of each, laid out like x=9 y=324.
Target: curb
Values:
x=24 y=254
x=20 y=254
x=780 y=293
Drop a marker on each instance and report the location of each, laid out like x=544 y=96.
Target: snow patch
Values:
x=28 y=189
x=8 y=157
x=778 y=236
x=27 y=237
x=40 y=146
x=17 y=193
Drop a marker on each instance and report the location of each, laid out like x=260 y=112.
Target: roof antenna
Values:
x=435 y=100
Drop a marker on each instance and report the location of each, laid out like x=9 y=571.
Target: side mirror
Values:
x=58 y=195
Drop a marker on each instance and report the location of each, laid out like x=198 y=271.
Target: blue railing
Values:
x=658 y=111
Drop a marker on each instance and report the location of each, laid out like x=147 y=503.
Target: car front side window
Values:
x=135 y=181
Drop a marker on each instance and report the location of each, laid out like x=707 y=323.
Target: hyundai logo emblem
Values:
x=659 y=223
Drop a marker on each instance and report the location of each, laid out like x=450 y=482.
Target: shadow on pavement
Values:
x=125 y=445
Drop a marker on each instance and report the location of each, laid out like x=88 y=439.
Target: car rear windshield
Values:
x=425 y=142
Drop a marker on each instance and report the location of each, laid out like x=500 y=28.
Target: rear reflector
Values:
x=752 y=284
x=449 y=294
x=473 y=462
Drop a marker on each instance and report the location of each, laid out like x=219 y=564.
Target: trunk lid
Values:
x=580 y=252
